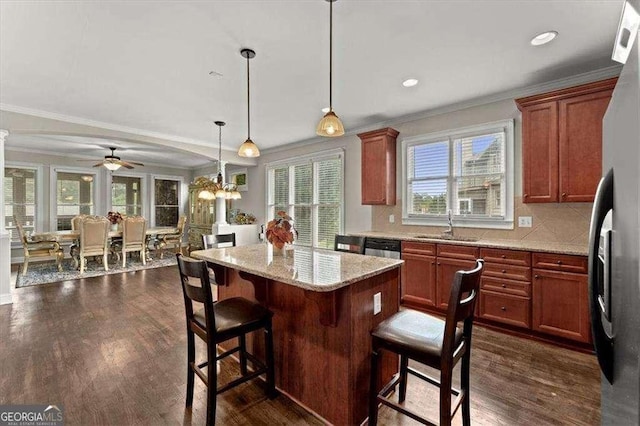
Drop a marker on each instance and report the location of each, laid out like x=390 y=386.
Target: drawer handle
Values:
x=525 y=195
x=433 y=263
x=564 y=195
x=504 y=286
x=536 y=276
x=503 y=308
x=438 y=263
x=559 y=262
x=503 y=256
x=504 y=271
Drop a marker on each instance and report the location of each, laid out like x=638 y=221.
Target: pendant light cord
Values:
x=248 y=101
x=330 y=55
x=219 y=150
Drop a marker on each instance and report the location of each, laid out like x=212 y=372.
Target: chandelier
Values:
x=216 y=188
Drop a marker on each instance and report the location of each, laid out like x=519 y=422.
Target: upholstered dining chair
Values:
x=74 y=250
x=218 y=241
x=172 y=240
x=220 y=322
x=433 y=342
x=44 y=250
x=134 y=237
x=349 y=243
x=94 y=240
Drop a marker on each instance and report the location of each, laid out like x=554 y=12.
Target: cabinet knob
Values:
x=564 y=195
x=504 y=286
x=559 y=262
x=503 y=256
x=525 y=195
x=503 y=308
x=536 y=276
x=504 y=271
x=433 y=263
x=438 y=263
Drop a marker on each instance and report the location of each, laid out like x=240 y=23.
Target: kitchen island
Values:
x=323 y=304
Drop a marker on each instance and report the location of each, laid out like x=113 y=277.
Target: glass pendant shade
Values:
x=220 y=193
x=330 y=126
x=235 y=195
x=205 y=194
x=112 y=166
x=248 y=149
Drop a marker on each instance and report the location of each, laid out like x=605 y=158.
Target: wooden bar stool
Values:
x=431 y=341
x=216 y=323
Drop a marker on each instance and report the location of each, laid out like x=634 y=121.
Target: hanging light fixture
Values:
x=217 y=188
x=248 y=148
x=330 y=125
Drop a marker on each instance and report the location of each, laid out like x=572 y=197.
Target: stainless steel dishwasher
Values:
x=382 y=247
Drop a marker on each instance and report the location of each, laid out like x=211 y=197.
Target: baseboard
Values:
x=5 y=299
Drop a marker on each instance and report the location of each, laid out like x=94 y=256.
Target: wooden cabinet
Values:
x=379 y=166
x=418 y=288
x=451 y=259
x=560 y=296
x=562 y=142
x=505 y=287
x=201 y=215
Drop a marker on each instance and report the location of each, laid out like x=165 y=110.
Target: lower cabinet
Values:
x=418 y=289
x=447 y=268
x=505 y=308
x=561 y=304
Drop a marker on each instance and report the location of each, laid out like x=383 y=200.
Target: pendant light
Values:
x=220 y=193
x=248 y=148
x=217 y=188
x=330 y=125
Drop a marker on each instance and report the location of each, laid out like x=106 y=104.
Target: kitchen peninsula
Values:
x=323 y=304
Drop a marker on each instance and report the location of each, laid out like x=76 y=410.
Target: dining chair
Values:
x=42 y=250
x=349 y=243
x=172 y=240
x=431 y=341
x=218 y=241
x=216 y=323
x=94 y=240
x=74 y=249
x=134 y=238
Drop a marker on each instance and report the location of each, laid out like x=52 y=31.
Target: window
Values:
x=126 y=195
x=468 y=171
x=19 y=199
x=310 y=191
x=74 y=196
x=167 y=201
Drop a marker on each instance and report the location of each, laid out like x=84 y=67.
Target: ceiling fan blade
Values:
x=125 y=164
x=99 y=164
x=135 y=162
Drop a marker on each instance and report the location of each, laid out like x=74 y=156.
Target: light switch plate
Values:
x=524 y=221
x=392 y=218
x=377 y=303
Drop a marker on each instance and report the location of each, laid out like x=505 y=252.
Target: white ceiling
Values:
x=145 y=64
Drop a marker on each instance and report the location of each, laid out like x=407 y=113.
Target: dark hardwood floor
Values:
x=112 y=351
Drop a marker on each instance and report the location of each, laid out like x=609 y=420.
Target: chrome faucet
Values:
x=448 y=233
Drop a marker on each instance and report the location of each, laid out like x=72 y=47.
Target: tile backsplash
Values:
x=552 y=222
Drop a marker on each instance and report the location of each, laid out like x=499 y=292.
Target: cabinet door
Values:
x=561 y=305
x=580 y=145
x=540 y=153
x=418 y=287
x=374 y=170
x=447 y=268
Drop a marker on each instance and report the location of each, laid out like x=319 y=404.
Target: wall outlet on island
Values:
x=377 y=303
x=392 y=218
x=524 y=222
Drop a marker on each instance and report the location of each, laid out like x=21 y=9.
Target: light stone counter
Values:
x=310 y=269
x=540 y=246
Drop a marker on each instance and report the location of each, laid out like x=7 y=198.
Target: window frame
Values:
x=312 y=158
x=143 y=188
x=151 y=190
x=506 y=222
x=39 y=196
x=98 y=203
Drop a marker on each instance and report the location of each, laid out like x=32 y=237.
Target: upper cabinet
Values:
x=562 y=142
x=379 y=166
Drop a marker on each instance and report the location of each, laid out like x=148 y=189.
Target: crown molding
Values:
x=521 y=92
x=99 y=124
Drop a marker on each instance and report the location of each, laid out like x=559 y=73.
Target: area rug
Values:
x=47 y=272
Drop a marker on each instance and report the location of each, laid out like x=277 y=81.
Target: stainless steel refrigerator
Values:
x=614 y=246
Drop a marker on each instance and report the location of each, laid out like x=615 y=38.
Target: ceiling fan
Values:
x=113 y=162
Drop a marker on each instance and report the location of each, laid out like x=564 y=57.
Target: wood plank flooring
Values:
x=112 y=351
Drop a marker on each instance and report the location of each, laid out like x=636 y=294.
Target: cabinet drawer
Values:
x=510 y=272
x=428 y=249
x=511 y=257
x=560 y=262
x=515 y=288
x=504 y=308
x=458 y=252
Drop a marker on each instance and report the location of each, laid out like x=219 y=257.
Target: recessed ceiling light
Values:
x=410 y=82
x=325 y=109
x=543 y=38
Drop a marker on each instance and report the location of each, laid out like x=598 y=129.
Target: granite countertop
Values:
x=310 y=269
x=540 y=246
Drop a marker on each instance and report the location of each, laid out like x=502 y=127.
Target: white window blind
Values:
x=19 y=199
x=310 y=190
x=74 y=196
x=466 y=171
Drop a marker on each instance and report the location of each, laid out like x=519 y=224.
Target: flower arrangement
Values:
x=280 y=230
x=114 y=217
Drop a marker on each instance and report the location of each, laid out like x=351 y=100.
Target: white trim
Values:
x=587 y=77
x=98 y=206
x=183 y=190
x=314 y=156
x=508 y=126
x=100 y=124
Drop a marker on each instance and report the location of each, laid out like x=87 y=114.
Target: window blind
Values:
x=19 y=200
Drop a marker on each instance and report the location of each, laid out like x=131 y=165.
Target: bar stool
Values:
x=216 y=323
x=431 y=341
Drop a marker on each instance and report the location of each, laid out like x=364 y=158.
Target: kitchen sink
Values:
x=446 y=237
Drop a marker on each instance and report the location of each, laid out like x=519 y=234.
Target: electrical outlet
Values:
x=524 y=221
x=377 y=303
x=392 y=218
